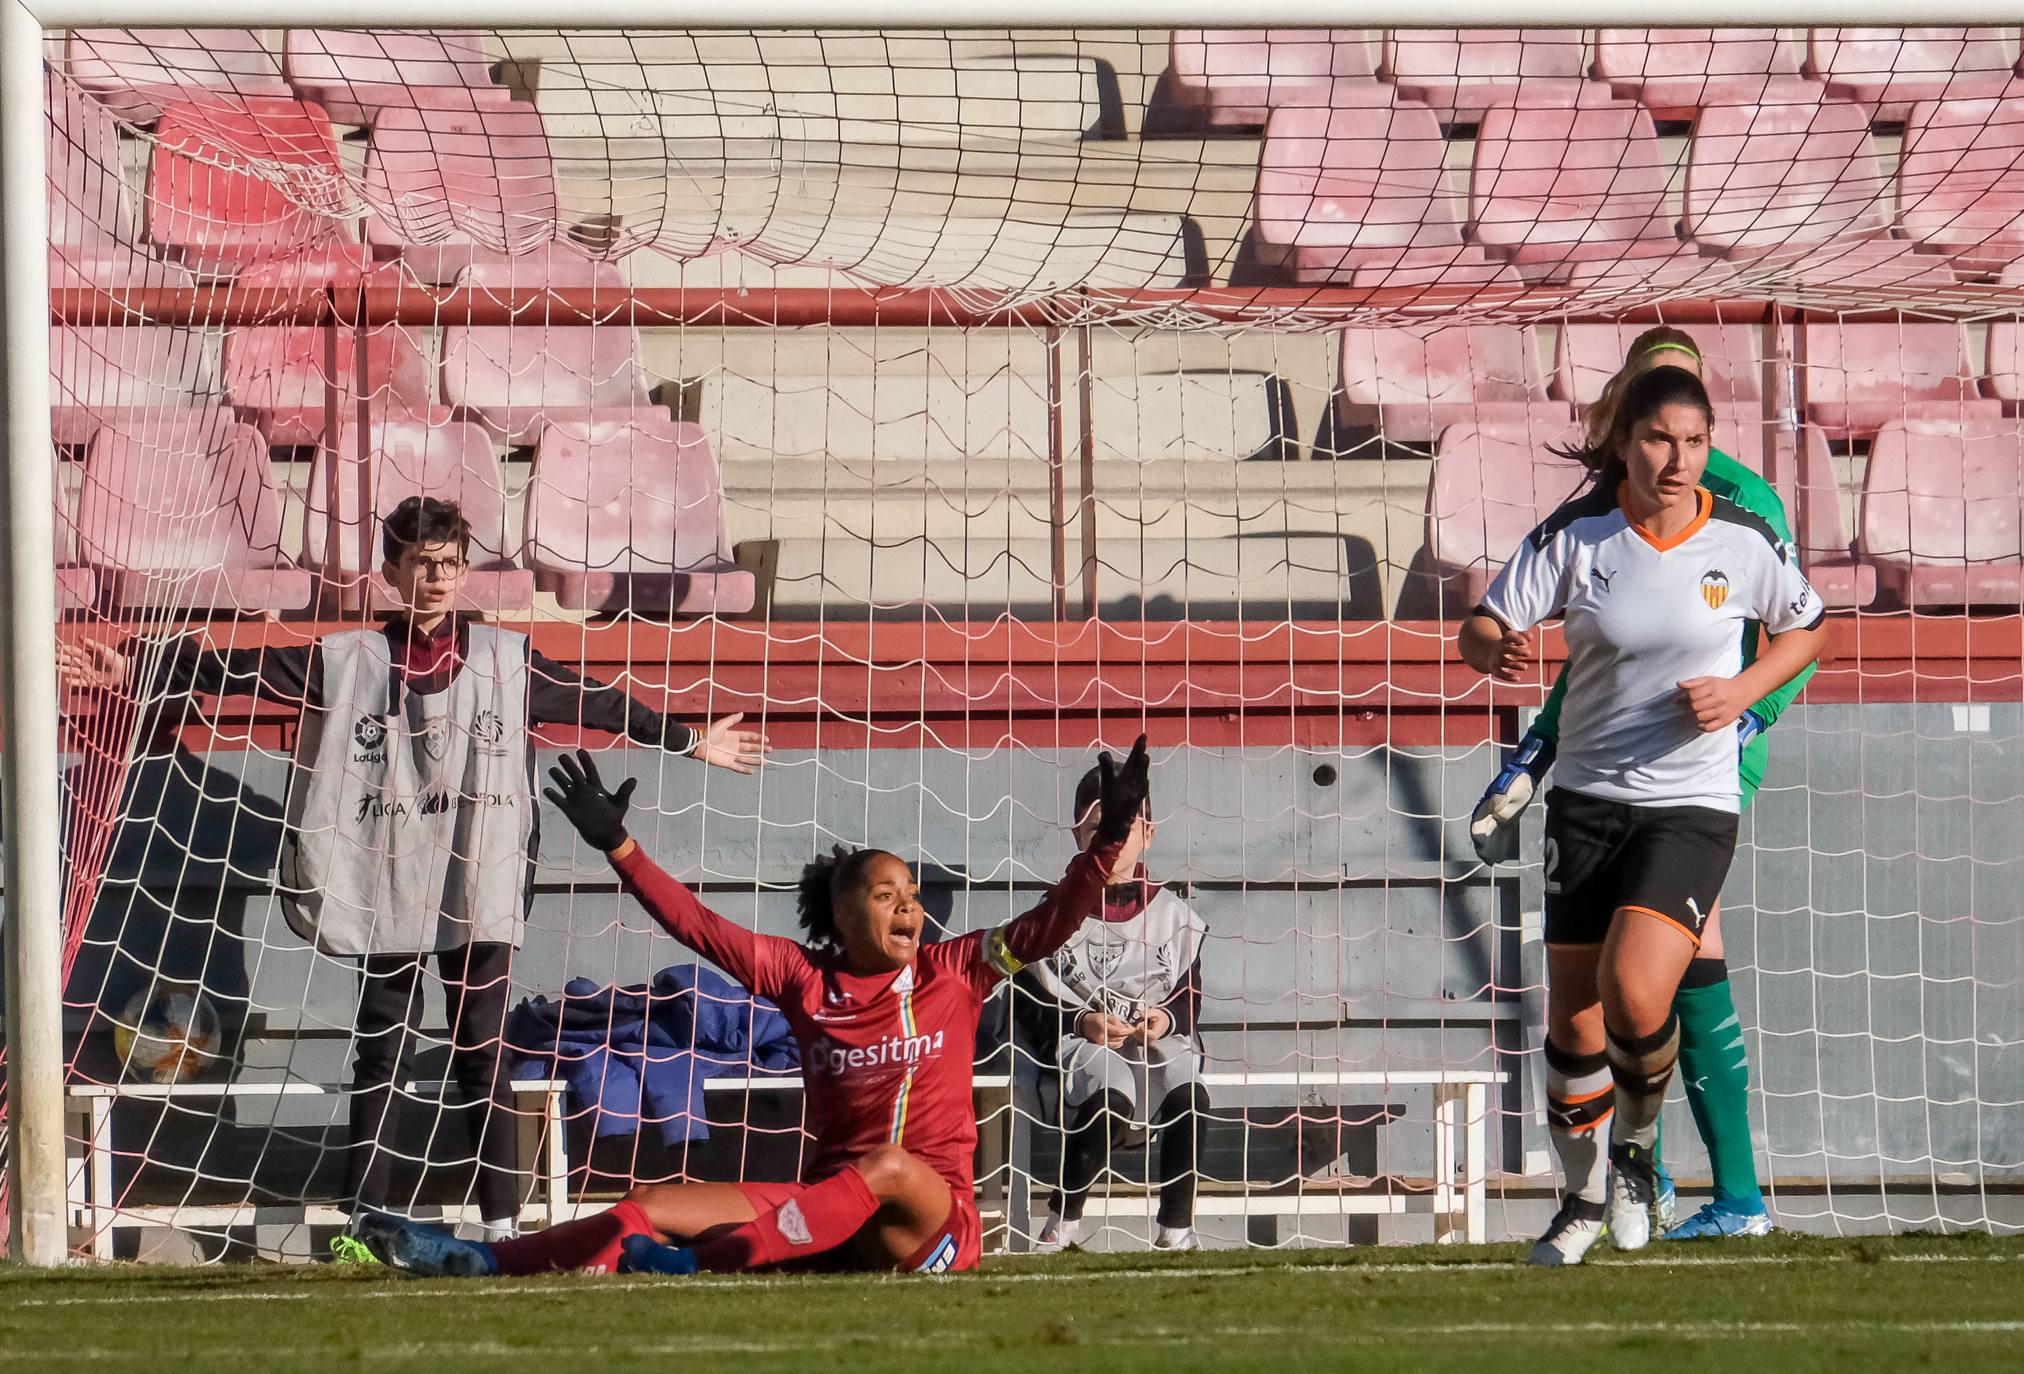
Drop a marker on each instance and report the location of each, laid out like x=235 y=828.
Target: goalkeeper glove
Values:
x=579 y=794
x=1493 y=829
x=1748 y=727
x=1121 y=792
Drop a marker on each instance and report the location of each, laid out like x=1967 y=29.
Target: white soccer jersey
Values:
x=1642 y=616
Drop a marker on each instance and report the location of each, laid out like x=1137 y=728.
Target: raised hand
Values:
x=86 y=663
x=579 y=794
x=724 y=745
x=1121 y=792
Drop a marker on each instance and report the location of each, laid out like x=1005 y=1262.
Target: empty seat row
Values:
x=1237 y=77
x=178 y=507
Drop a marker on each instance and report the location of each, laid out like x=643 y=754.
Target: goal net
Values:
x=952 y=405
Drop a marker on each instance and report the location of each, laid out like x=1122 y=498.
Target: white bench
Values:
x=96 y=1210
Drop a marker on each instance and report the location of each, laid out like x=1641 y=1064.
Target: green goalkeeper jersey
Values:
x=1724 y=477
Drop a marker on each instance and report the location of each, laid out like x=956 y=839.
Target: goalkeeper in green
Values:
x=1713 y=1064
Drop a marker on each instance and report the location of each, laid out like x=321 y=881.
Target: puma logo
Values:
x=1602 y=578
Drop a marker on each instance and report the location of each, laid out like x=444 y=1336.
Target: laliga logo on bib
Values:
x=368 y=733
x=1715 y=588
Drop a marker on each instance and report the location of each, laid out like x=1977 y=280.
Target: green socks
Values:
x=1716 y=1074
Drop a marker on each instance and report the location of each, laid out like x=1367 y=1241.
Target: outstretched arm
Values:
x=186 y=665
x=560 y=695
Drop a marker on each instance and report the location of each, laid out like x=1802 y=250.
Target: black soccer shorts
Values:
x=1603 y=856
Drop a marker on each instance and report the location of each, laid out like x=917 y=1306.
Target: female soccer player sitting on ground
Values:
x=1713 y=1066
x=1654 y=578
x=887 y=1028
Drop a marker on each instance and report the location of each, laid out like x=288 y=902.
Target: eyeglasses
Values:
x=434 y=568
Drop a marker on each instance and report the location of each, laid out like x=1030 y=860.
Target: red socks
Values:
x=820 y=1217
x=590 y=1244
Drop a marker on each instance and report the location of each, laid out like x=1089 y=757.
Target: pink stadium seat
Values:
x=1679 y=69
x=630 y=515
x=516 y=378
x=1940 y=507
x=207 y=204
x=1894 y=66
x=449 y=188
x=1568 y=184
x=1492 y=482
x=1475 y=69
x=116 y=375
x=429 y=454
x=278 y=376
x=1239 y=76
x=1412 y=385
x=89 y=210
x=178 y=509
x=1765 y=177
x=1960 y=186
x=136 y=72
x=356 y=73
x=1821 y=528
x=1860 y=377
x=2003 y=363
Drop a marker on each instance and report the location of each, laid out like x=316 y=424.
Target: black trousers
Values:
x=475 y=983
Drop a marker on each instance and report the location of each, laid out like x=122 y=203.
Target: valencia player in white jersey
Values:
x=1653 y=578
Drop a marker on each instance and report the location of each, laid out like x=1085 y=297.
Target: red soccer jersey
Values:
x=888 y=1059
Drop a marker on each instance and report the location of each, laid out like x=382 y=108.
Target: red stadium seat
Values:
x=1476 y=69
x=1568 y=184
x=89 y=210
x=1780 y=177
x=1412 y=385
x=1492 y=482
x=1682 y=69
x=136 y=72
x=1894 y=66
x=425 y=454
x=117 y=374
x=207 y=204
x=1822 y=531
x=177 y=509
x=515 y=378
x=1960 y=184
x=630 y=515
x=1239 y=76
x=277 y=374
x=450 y=188
x=356 y=73
x=1942 y=529
x=1860 y=377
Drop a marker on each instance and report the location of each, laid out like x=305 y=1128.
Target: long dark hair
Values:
x=815 y=897
x=1644 y=397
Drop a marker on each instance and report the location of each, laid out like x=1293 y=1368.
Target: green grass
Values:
x=1745 y=1307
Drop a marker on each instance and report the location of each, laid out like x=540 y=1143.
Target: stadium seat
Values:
x=117 y=375
x=136 y=72
x=1493 y=480
x=207 y=205
x=277 y=374
x=1465 y=70
x=450 y=188
x=1237 y=77
x=89 y=210
x=356 y=73
x=1684 y=69
x=2003 y=361
x=629 y=515
x=1823 y=532
x=1588 y=355
x=514 y=378
x=1892 y=67
x=1942 y=528
x=1410 y=386
x=1781 y=177
x=1568 y=184
x=424 y=454
x=1960 y=182
x=177 y=509
x=1859 y=377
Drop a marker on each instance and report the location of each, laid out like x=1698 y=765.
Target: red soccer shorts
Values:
x=955 y=1247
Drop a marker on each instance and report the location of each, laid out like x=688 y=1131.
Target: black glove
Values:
x=1121 y=792
x=598 y=815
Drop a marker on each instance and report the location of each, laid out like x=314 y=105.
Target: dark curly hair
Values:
x=821 y=880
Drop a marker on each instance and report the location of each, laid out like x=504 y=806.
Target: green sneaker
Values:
x=346 y=1249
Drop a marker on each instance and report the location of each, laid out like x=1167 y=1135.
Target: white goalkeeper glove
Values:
x=1493 y=829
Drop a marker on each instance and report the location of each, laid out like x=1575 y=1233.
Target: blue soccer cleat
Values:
x=644 y=1255
x=1665 y=1200
x=427 y=1252
x=1723 y=1217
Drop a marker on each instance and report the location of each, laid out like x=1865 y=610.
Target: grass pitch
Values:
x=1757 y=1307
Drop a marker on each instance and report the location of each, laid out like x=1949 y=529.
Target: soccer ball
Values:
x=168 y=1033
